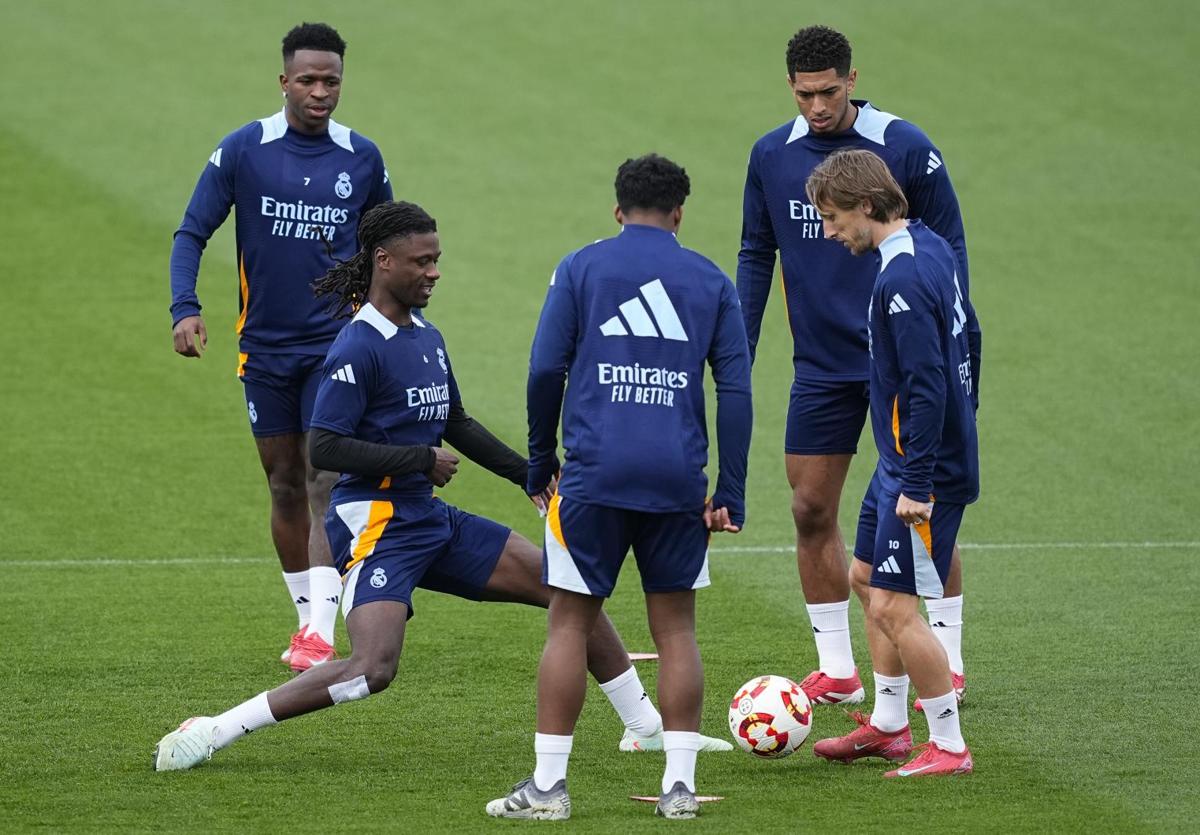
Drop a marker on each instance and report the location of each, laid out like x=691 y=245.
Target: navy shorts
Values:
x=826 y=418
x=912 y=559
x=586 y=545
x=280 y=391
x=385 y=549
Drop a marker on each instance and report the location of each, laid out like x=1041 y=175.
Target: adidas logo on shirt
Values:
x=215 y=159
x=898 y=305
x=889 y=566
x=934 y=163
x=640 y=322
x=345 y=374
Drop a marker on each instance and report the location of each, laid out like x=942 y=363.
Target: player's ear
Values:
x=619 y=215
x=850 y=80
x=677 y=217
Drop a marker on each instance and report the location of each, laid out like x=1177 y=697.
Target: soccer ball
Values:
x=770 y=716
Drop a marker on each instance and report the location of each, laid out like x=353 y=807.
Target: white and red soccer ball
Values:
x=770 y=716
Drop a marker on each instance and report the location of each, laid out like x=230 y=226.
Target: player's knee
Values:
x=813 y=515
x=890 y=614
x=378 y=673
x=288 y=489
x=861 y=585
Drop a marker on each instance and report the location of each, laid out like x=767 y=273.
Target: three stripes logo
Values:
x=934 y=163
x=889 y=566
x=898 y=304
x=215 y=159
x=345 y=374
x=641 y=322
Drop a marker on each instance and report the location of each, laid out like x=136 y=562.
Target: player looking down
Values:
x=387 y=400
x=923 y=420
x=628 y=325
x=826 y=291
x=298 y=183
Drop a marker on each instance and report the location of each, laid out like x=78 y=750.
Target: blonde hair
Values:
x=849 y=178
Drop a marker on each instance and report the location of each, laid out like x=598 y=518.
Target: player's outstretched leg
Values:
x=517 y=578
x=376 y=633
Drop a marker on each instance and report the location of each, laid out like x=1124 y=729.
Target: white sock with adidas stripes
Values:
x=942 y=714
x=831 y=631
x=945 y=619
x=297 y=584
x=890 y=713
x=325 y=589
x=632 y=703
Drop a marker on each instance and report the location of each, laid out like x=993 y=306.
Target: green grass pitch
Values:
x=137 y=581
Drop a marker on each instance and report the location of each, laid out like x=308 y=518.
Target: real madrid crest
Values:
x=342 y=187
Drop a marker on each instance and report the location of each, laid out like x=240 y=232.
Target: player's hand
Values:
x=717 y=519
x=445 y=465
x=191 y=337
x=542 y=500
x=542 y=477
x=911 y=512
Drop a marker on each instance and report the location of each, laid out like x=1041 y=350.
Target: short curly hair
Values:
x=651 y=182
x=320 y=37
x=817 y=48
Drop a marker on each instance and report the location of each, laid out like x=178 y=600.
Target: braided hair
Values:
x=348 y=282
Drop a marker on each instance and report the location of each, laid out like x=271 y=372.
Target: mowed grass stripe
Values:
x=111 y=562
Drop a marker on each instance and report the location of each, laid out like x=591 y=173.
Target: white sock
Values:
x=297 y=584
x=831 y=631
x=632 y=703
x=942 y=715
x=236 y=722
x=552 y=755
x=325 y=590
x=681 y=748
x=945 y=618
x=890 y=713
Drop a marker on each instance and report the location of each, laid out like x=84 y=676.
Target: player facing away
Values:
x=826 y=291
x=386 y=402
x=628 y=325
x=923 y=420
x=298 y=183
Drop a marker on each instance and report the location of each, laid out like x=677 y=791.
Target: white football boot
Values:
x=654 y=742
x=187 y=746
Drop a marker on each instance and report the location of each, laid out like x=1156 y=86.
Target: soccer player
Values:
x=298 y=183
x=826 y=291
x=628 y=325
x=387 y=400
x=923 y=420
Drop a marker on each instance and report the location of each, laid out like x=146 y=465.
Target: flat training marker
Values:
x=700 y=798
x=643 y=656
